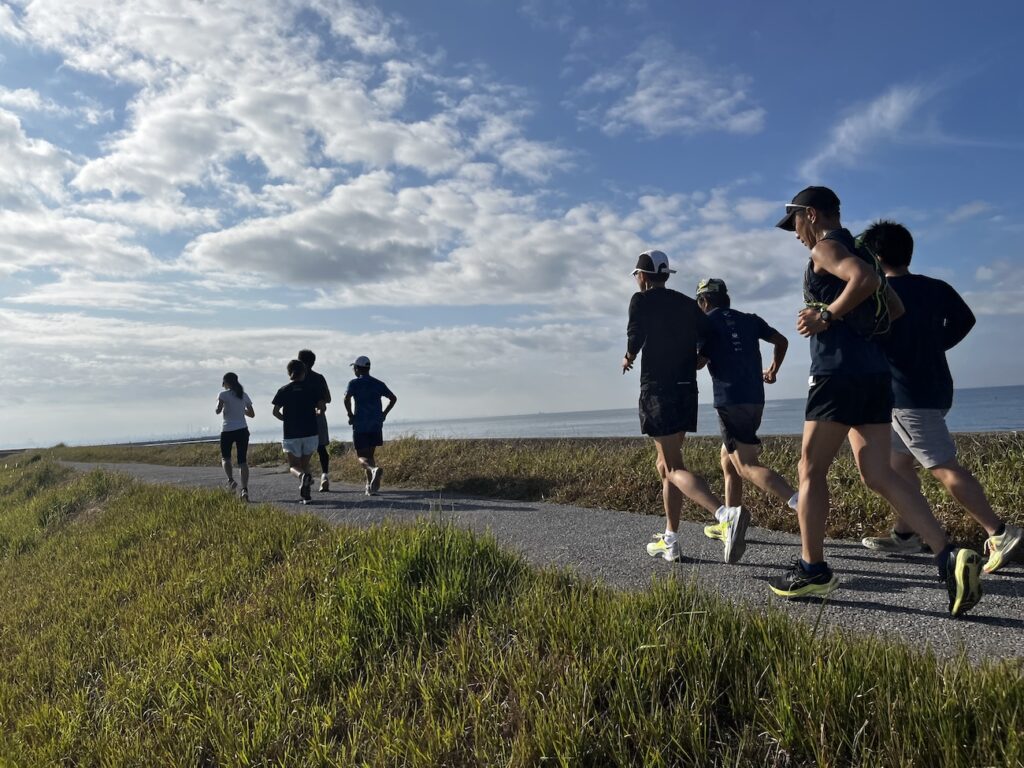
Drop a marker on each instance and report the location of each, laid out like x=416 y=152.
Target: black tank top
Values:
x=839 y=350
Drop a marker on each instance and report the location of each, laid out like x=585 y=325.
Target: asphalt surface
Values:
x=892 y=596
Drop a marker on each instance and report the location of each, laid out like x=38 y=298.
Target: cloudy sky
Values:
x=459 y=189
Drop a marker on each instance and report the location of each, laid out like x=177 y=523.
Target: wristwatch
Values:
x=825 y=315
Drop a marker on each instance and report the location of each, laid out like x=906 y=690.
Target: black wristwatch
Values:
x=825 y=315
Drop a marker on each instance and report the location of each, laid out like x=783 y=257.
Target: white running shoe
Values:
x=894 y=543
x=735 y=534
x=375 y=479
x=658 y=548
x=304 y=486
x=325 y=483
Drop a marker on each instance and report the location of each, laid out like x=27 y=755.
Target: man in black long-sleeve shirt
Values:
x=936 y=320
x=667 y=326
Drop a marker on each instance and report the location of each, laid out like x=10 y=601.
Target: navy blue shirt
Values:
x=839 y=349
x=937 y=319
x=733 y=351
x=367 y=392
x=667 y=326
x=298 y=401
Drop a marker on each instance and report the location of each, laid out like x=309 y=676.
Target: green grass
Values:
x=618 y=473
x=156 y=626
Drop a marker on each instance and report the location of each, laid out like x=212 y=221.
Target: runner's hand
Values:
x=769 y=376
x=627 y=364
x=809 y=322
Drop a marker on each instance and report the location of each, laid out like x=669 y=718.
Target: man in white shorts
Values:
x=937 y=319
x=300 y=403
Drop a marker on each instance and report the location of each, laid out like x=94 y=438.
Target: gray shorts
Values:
x=321 y=429
x=923 y=434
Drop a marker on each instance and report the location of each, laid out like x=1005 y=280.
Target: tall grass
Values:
x=176 y=627
x=619 y=473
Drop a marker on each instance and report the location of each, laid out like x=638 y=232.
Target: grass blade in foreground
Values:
x=180 y=627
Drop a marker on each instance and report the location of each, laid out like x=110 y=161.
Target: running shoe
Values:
x=735 y=534
x=963 y=580
x=894 y=544
x=244 y=495
x=716 y=531
x=375 y=479
x=1003 y=549
x=658 y=548
x=232 y=485
x=325 y=483
x=307 y=481
x=796 y=582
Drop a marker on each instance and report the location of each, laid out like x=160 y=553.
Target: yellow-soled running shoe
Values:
x=658 y=548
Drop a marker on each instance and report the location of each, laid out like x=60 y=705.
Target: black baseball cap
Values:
x=821 y=198
x=653 y=263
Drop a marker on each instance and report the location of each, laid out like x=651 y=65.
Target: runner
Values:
x=668 y=326
x=368 y=420
x=301 y=403
x=850 y=398
x=307 y=358
x=733 y=355
x=235 y=404
x=937 y=319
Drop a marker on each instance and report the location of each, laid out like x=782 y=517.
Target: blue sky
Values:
x=459 y=190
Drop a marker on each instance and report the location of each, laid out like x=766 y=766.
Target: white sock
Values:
x=722 y=513
x=670 y=537
x=793 y=500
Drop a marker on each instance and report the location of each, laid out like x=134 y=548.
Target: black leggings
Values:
x=239 y=437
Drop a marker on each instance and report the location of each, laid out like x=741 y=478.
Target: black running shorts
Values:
x=851 y=400
x=739 y=424
x=239 y=437
x=364 y=442
x=668 y=410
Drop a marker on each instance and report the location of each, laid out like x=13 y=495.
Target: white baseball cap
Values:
x=361 y=362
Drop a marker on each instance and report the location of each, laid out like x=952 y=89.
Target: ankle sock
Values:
x=670 y=537
x=1000 y=530
x=814 y=569
x=902 y=536
x=942 y=560
x=722 y=514
x=793 y=500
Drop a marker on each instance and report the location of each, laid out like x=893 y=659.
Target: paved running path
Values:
x=887 y=595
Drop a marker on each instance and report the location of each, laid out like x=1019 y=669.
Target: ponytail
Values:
x=231 y=380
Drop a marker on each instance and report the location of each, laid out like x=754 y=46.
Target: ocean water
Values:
x=987 y=409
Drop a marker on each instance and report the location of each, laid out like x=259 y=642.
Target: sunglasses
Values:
x=792 y=208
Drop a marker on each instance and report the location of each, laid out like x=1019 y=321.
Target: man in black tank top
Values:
x=850 y=398
x=668 y=327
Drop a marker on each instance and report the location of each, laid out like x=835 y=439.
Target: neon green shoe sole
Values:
x=716 y=531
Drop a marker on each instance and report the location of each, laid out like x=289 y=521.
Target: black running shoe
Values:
x=796 y=582
x=307 y=481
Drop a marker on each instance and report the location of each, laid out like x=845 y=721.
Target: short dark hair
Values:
x=657 y=277
x=891 y=242
x=306 y=357
x=296 y=366
x=716 y=299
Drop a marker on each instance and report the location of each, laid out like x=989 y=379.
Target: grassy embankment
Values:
x=160 y=626
x=618 y=473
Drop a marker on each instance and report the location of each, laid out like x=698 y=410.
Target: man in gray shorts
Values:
x=937 y=319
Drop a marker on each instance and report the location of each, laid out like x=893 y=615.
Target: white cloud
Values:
x=34 y=170
x=664 y=91
x=968 y=211
x=865 y=127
